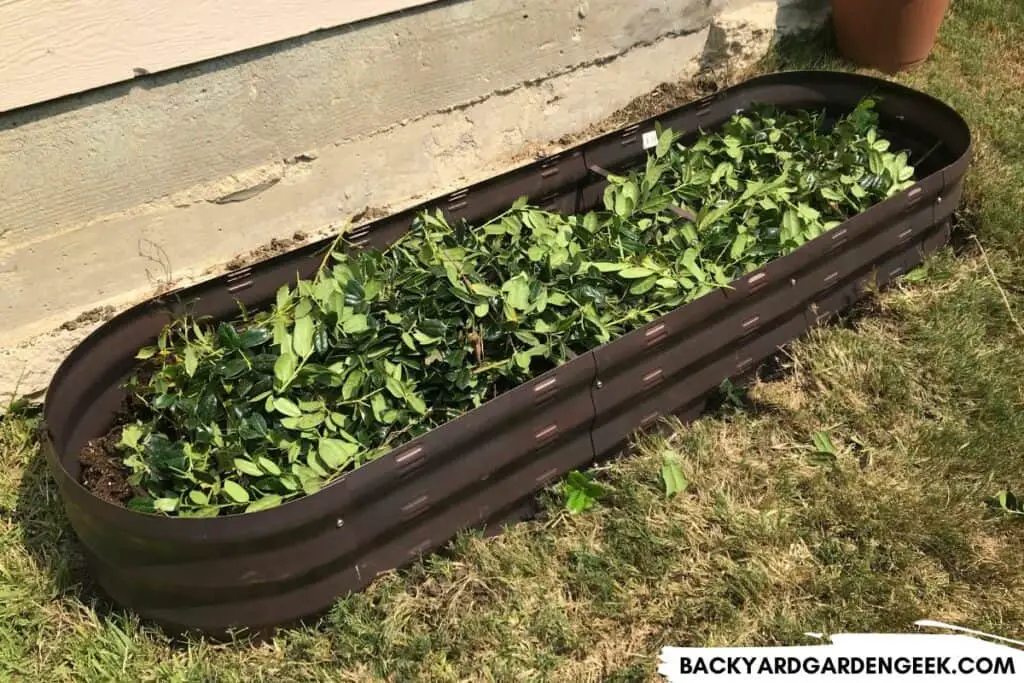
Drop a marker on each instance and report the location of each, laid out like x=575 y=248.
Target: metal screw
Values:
x=340 y=523
x=792 y=282
x=598 y=384
x=939 y=200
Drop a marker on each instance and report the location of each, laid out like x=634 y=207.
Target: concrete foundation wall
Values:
x=110 y=195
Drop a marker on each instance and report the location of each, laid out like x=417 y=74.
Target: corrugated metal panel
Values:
x=273 y=567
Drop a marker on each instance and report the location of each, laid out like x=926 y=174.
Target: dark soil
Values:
x=103 y=473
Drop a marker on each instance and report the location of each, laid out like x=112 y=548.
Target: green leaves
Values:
x=823 y=443
x=355 y=324
x=248 y=467
x=235 y=492
x=284 y=367
x=1007 y=503
x=336 y=453
x=302 y=337
x=673 y=477
x=146 y=352
x=191 y=361
x=517 y=293
x=380 y=347
x=286 y=407
x=635 y=273
x=264 y=503
x=581 y=492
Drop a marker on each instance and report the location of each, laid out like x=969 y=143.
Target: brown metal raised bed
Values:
x=261 y=569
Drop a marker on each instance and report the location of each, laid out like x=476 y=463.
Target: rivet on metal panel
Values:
x=653 y=376
x=409 y=459
x=546 y=385
x=650 y=418
x=792 y=282
x=704 y=106
x=938 y=200
x=545 y=390
x=757 y=281
x=359 y=236
x=598 y=384
x=239 y=280
x=547 y=172
x=359 y=233
x=655 y=334
x=340 y=523
x=546 y=433
x=458 y=200
x=629 y=135
x=415 y=507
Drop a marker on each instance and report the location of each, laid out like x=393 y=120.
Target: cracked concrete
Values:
x=113 y=194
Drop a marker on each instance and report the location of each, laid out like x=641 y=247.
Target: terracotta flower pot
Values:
x=889 y=35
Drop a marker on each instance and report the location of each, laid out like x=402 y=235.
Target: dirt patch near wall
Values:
x=93 y=315
x=665 y=97
x=278 y=245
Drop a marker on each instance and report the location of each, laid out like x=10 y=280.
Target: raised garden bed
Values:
x=264 y=568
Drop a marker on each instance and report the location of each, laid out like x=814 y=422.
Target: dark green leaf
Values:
x=254 y=337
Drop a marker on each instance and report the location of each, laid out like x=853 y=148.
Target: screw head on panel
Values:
x=340 y=523
x=598 y=384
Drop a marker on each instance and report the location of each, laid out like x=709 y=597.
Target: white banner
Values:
x=854 y=658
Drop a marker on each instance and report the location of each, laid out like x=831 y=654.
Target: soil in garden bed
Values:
x=103 y=472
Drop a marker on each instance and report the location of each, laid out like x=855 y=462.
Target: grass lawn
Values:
x=921 y=391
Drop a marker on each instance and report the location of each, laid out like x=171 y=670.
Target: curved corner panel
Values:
x=272 y=567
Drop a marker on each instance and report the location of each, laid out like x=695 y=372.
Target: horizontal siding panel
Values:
x=52 y=48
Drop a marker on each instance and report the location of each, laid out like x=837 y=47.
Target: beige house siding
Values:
x=51 y=48
x=116 y=193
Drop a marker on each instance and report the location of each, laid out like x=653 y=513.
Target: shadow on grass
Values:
x=46 y=533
